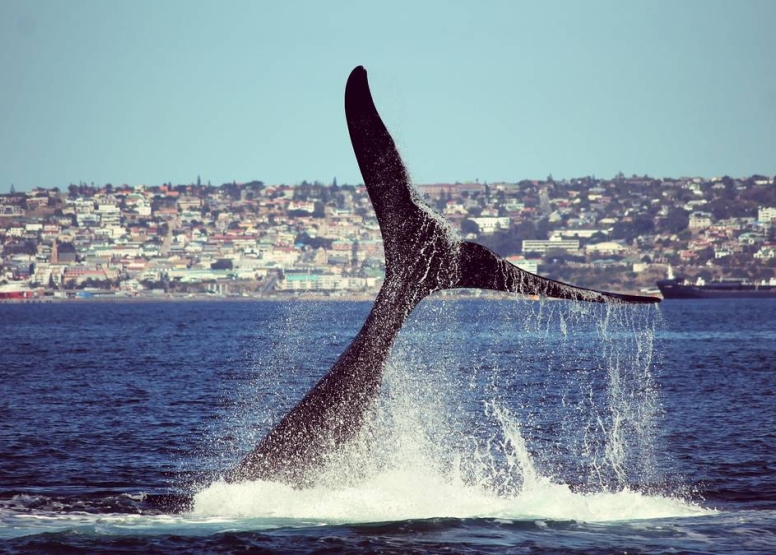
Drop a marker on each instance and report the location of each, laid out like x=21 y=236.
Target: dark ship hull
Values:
x=677 y=288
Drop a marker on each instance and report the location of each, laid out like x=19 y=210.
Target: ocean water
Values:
x=504 y=426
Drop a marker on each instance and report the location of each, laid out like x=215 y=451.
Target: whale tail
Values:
x=422 y=253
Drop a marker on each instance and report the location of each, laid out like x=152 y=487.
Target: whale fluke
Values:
x=422 y=255
x=416 y=237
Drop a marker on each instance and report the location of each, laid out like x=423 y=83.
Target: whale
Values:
x=423 y=254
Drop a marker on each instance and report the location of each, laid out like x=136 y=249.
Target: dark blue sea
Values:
x=504 y=426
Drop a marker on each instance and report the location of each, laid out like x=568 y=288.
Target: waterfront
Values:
x=118 y=418
x=255 y=239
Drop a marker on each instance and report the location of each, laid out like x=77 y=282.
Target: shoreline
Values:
x=109 y=298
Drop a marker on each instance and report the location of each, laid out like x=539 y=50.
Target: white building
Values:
x=531 y=266
x=606 y=247
x=491 y=224
x=544 y=246
x=323 y=282
x=766 y=214
x=700 y=220
x=560 y=234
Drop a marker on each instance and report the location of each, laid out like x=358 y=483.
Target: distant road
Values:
x=270 y=285
x=172 y=225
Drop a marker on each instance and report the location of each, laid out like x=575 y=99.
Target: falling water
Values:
x=552 y=410
x=576 y=379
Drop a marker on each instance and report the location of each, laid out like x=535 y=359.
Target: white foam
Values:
x=14 y=524
x=398 y=495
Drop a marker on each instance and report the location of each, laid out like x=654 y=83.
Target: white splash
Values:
x=415 y=488
x=398 y=495
x=452 y=438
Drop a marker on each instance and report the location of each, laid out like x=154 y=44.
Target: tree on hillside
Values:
x=639 y=225
x=543 y=228
x=319 y=210
x=469 y=226
x=502 y=243
x=676 y=220
x=524 y=229
x=315 y=242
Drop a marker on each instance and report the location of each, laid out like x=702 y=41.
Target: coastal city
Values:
x=322 y=239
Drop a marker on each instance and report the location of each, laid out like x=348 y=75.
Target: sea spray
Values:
x=553 y=403
x=406 y=488
x=281 y=359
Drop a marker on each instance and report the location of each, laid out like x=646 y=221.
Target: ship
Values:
x=16 y=291
x=681 y=288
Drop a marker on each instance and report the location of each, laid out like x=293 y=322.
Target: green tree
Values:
x=543 y=228
x=676 y=220
x=524 y=229
x=469 y=226
x=639 y=225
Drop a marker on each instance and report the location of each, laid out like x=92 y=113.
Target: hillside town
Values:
x=313 y=239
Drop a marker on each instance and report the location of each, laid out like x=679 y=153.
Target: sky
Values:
x=148 y=92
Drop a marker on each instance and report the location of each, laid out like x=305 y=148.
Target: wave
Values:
x=393 y=501
x=404 y=495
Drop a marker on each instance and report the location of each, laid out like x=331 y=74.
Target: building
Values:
x=310 y=281
x=544 y=246
x=491 y=224
x=700 y=220
x=766 y=215
x=531 y=266
x=605 y=247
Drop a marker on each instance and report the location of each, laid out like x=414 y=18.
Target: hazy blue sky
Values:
x=154 y=91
